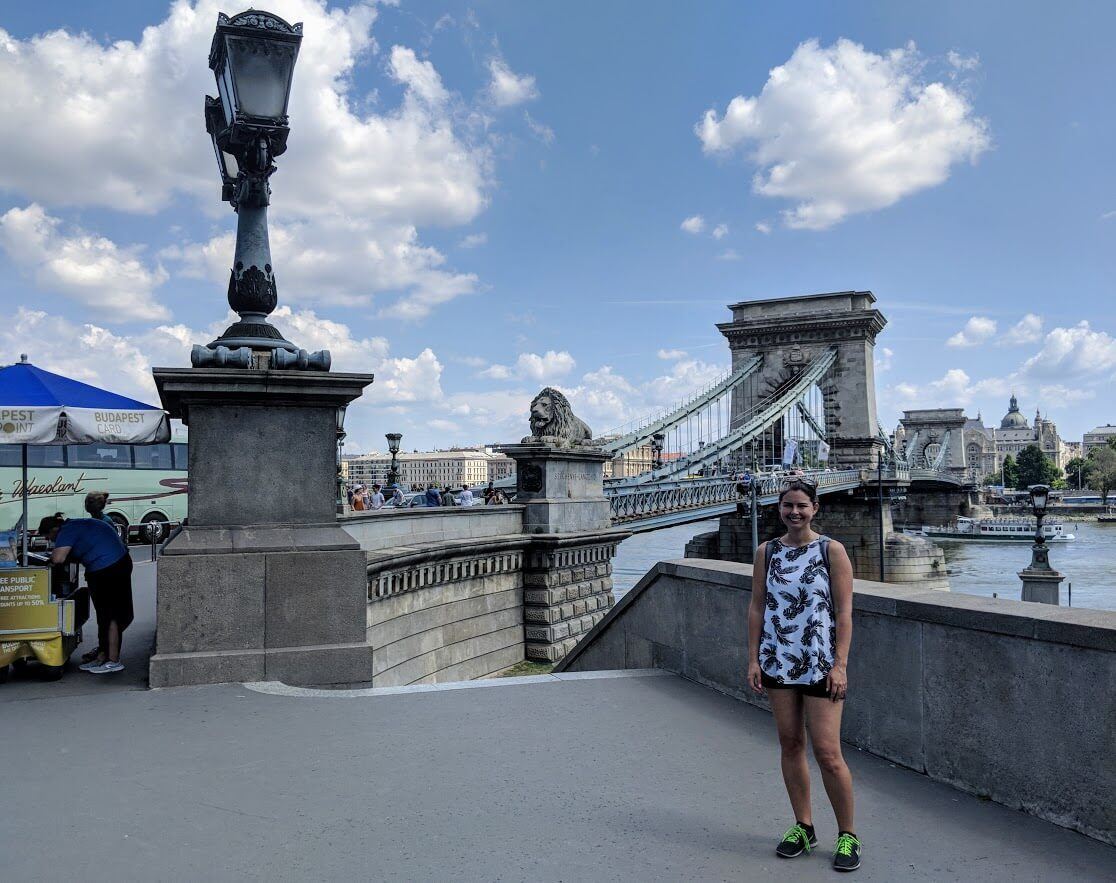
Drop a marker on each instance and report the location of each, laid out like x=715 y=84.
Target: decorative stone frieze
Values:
x=396 y=580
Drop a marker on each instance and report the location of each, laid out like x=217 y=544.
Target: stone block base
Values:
x=568 y=590
x=250 y=604
x=326 y=664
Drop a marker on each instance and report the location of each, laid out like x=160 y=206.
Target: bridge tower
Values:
x=789 y=333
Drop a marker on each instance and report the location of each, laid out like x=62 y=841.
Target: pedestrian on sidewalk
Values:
x=466 y=498
x=397 y=498
x=108 y=571
x=433 y=497
x=376 y=501
x=799 y=633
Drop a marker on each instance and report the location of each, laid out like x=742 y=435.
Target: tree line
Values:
x=1096 y=471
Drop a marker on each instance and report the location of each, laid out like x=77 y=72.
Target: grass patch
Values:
x=527 y=667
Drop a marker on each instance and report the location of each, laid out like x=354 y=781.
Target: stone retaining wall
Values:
x=1006 y=699
x=447 y=613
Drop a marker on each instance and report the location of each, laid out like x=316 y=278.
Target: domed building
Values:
x=985 y=447
x=1014 y=418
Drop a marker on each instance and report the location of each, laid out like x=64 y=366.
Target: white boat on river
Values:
x=996 y=530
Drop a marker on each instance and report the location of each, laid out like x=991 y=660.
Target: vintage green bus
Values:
x=145 y=483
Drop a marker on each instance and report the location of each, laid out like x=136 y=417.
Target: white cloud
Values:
x=85 y=352
x=608 y=400
x=507 y=88
x=729 y=254
x=883 y=359
x=531 y=366
x=841 y=130
x=1026 y=330
x=473 y=240
x=1107 y=216
x=544 y=133
x=763 y=227
x=1077 y=352
x=720 y=231
x=693 y=224
x=960 y=62
x=87 y=268
x=954 y=389
x=339 y=260
x=118 y=126
x=976 y=331
x=671 y=355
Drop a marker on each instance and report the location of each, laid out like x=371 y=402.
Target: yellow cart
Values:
x=36 y=624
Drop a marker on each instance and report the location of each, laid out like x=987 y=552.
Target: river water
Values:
x=1089 y=562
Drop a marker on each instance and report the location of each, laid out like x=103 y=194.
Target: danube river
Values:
x=1089 y=562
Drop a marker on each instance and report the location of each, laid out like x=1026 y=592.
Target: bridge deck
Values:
x=605 y=778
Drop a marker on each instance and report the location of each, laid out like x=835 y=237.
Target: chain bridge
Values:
x=800 y=395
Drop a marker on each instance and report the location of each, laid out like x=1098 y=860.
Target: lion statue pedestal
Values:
x=568 y=569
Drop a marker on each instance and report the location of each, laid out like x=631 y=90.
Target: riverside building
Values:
x=984 y=447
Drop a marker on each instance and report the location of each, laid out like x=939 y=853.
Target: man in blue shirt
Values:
x=108 y=571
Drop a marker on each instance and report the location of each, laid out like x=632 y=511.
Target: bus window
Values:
x=45 y=455
x=100 y=456
x=10 y=455
x=152 y=456
x=181 y=458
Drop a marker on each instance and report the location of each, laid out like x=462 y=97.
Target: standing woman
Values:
x=108 y=571
x=799 y=632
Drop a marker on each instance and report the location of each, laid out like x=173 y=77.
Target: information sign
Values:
x=25 y=603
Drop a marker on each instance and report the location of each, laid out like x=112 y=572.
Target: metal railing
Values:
x=638 y=502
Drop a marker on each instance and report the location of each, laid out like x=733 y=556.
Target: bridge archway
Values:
x=789 y=334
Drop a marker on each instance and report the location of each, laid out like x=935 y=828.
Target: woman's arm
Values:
x=59 y=554
x=755 y=616
x=841 y=591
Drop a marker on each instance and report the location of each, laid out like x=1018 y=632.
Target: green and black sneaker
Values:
x=846 y=852
x=798 y=839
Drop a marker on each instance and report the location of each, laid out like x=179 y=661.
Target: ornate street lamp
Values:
x=393 y=446
x=1040 y=580
x=657 y=451
x=252 y=56
x=341 y=459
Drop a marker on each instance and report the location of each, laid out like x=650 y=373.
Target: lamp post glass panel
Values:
x=252 y=57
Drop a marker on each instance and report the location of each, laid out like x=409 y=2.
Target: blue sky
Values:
x=480 y=199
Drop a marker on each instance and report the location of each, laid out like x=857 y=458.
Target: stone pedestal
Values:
x=568 y=570
x=1041 y=582
x=262 y=583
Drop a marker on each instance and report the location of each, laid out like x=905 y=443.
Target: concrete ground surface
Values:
x=135 y=652
x=604 y=776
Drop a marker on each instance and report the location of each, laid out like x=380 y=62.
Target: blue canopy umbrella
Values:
x=41 y=408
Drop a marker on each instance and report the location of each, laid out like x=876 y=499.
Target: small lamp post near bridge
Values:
x=341 y=459
x=657 y=451
x=393 y=439
x=1040 y=581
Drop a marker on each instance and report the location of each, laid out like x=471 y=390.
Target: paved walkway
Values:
x=138 y=645
x=573 y=778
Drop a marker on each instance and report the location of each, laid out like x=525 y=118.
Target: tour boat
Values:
x=1002 y=530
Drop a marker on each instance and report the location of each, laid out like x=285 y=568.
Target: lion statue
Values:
x=553 y=421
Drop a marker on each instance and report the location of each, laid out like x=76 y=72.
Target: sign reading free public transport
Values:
x=25 y=603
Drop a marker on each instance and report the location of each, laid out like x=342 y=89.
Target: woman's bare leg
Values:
x=823 y=718
x=790 y=722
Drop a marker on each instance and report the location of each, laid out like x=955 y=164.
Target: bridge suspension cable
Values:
x=643 y=433
x=764 y=415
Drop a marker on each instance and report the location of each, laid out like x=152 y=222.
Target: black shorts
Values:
x=818 y=689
